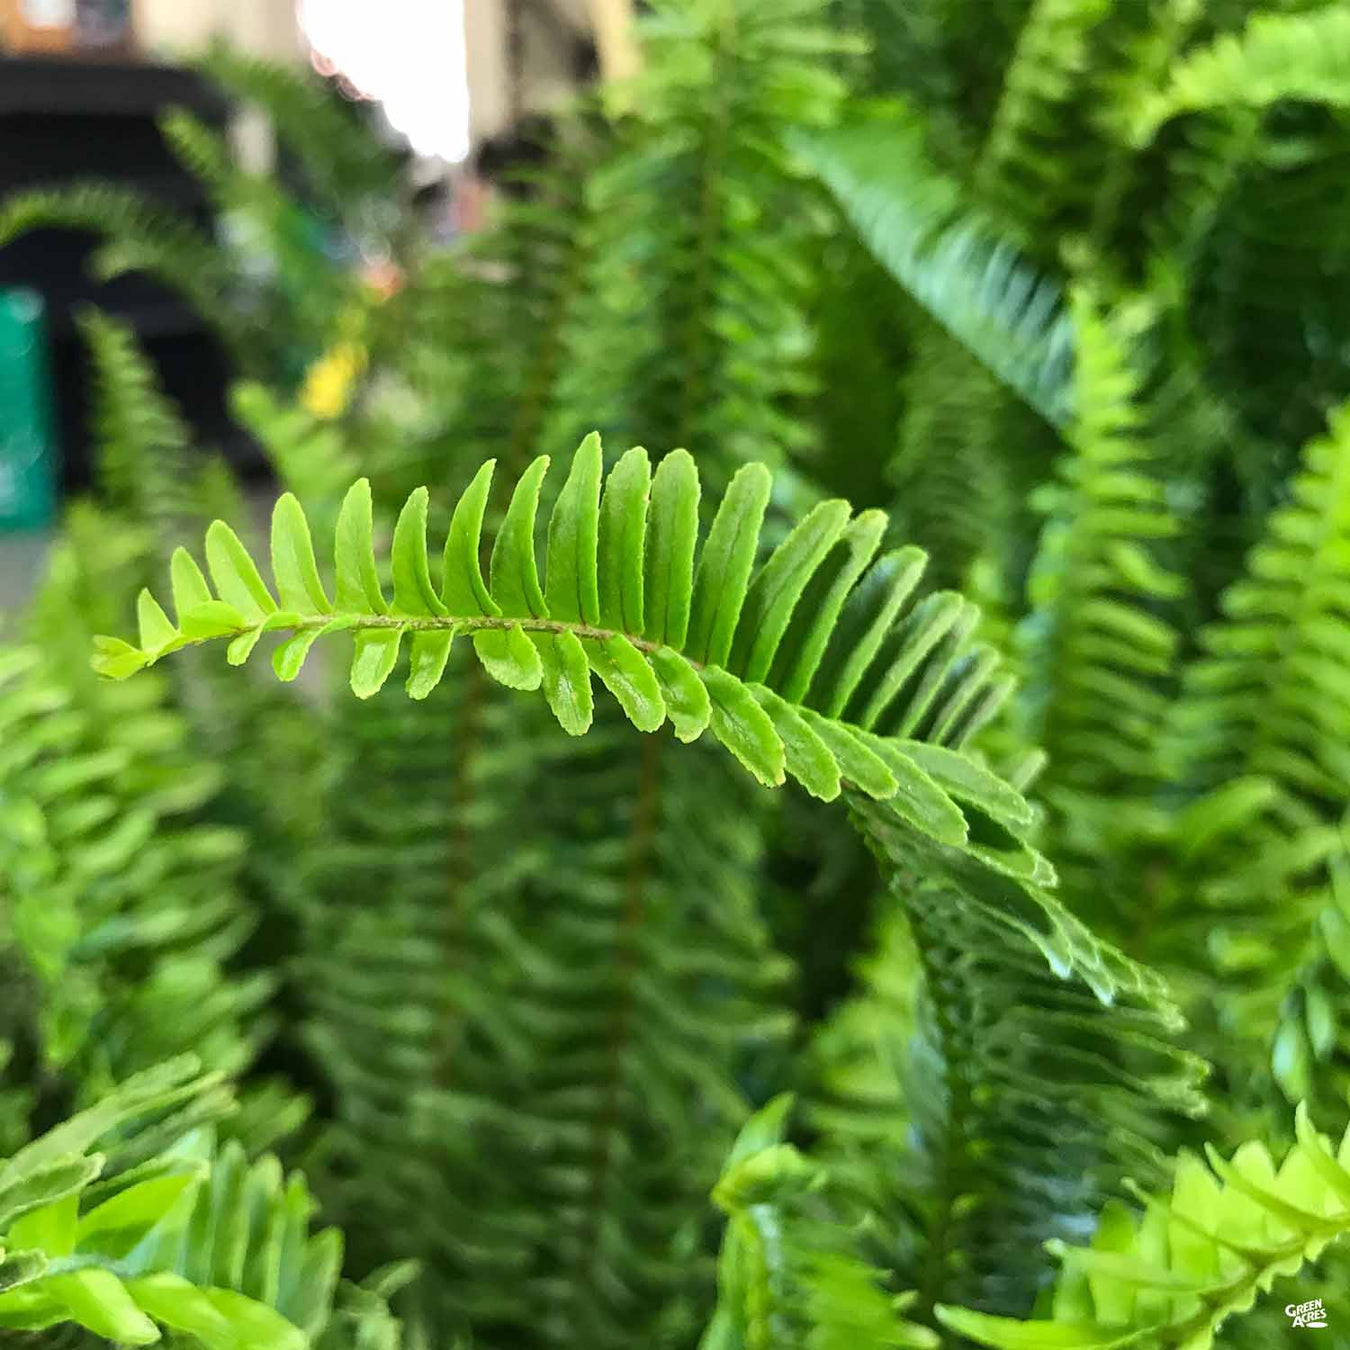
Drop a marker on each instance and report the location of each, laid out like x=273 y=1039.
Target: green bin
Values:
x=27 y=442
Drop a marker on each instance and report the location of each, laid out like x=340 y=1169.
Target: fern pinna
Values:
x=857 y=683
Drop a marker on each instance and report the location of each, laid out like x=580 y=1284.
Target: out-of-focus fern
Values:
x=123 y=902
x=1276 y=57
x=144 y=462
x=960 y=264
x=353 y=174
x=142 y=236
x=1099 y=654
x=789 y=1275
x=702 y=239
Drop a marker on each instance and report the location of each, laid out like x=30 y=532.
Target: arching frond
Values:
x=810 y=664
x=954 y=259
x=1196 y=1257
x=1276 y=57
x=985 y=1104
x=141 y=236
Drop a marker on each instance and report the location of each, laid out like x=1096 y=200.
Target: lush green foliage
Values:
x=1050 y=291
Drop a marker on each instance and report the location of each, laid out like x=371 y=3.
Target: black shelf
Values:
x=60 y=86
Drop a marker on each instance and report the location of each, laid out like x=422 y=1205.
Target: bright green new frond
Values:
x=789 y=1276
x=1171 y=1277
x=957 y=262
x=815 y=663
x=141 y=236
x=160 y=1229
x=1276 y=57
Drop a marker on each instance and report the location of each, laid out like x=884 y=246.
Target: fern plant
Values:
x=535 y=961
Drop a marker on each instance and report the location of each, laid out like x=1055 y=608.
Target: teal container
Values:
x=27 y=422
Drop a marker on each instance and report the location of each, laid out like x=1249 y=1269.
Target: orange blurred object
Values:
x=38 y=25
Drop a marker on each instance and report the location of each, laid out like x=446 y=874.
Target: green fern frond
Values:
x=956 y=261
x=579 y=1025
x=123 y=893
x=810 y=665
x=1267 y=696
x=1195 y=1258
x=691 y=327
x=1099 y=653
x=1023 y=166
x=163 y=1229
x=1001 y=1101
x=789 y=1277
x=141 y=236
x=1276 y=57
x=143 y=465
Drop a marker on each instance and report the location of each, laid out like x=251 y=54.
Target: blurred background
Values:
x=453 y=90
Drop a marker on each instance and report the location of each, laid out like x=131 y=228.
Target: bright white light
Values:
x=407 y=54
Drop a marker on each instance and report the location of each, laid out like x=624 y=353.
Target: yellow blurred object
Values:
x=330 y=380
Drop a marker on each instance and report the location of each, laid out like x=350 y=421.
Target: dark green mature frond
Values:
x=144 y=461
x=1025 y=166
x=537 y=1068
x=789 y=1274
x=810 y=664
x=1276 y=57
x=1003 y=1108
x=949 y=495
x=960 y=264
x=1098 y=652
x=1203 y=1254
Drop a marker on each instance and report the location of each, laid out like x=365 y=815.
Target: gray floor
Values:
x=21 y=557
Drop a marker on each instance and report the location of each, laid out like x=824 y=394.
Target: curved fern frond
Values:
x=1276 y=57
x=163 y=1229
x=141 y=236
x=813 y=664
x=956 y=261
x=789 y=1277
x=1202 y=1254
x=999 y=1102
